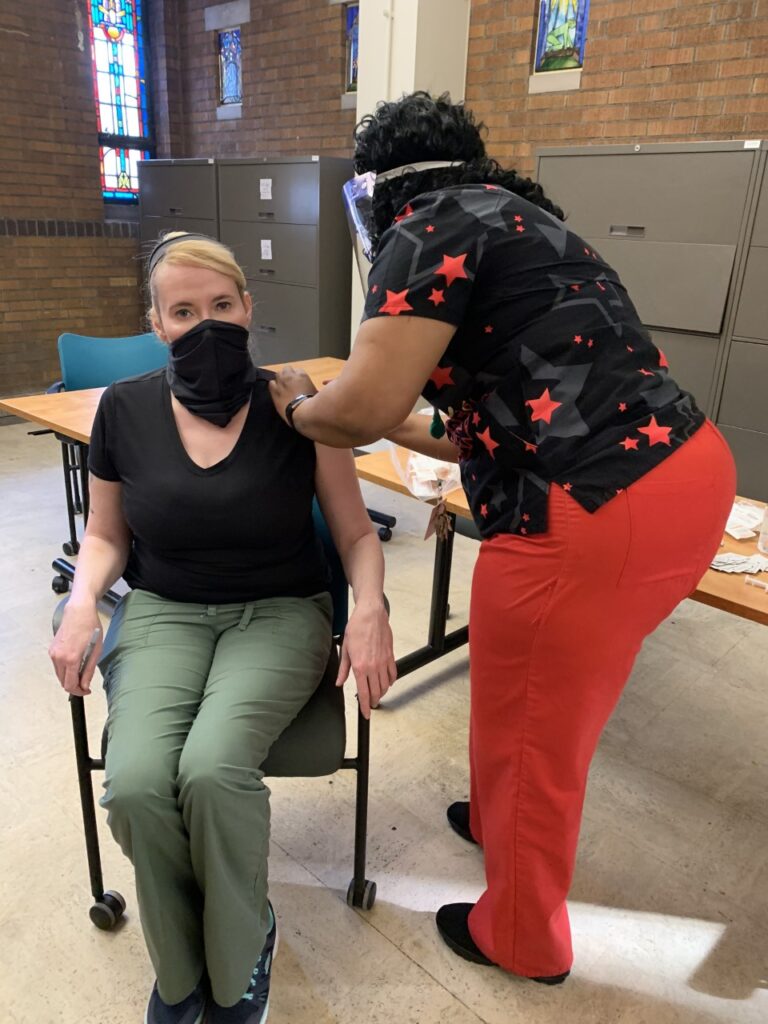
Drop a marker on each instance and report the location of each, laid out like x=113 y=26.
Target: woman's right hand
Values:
x=67 y=648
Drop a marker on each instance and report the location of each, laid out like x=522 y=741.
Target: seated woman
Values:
x=201 y=498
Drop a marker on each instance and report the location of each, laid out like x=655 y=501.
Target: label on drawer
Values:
x=265 y=188
x=266 y=248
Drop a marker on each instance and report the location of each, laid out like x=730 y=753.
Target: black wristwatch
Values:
x=293 y=405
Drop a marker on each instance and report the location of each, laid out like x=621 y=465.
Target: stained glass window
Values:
x=230 y=67
x=352 y=21
x=119 y=86
x=562 y=35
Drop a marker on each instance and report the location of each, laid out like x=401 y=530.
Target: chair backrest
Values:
x=97 y=362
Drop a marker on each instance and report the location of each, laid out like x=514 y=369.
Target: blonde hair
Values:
x=207 y=253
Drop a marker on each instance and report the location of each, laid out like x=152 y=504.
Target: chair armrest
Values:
x=55 y=388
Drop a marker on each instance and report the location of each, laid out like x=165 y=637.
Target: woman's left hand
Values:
x=369 y=652
x=289 y=384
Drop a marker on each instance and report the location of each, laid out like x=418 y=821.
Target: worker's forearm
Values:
x=324 y=419
x=100 y=563
x=414 y=434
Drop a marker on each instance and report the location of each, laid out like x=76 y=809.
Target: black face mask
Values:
x=210 y=371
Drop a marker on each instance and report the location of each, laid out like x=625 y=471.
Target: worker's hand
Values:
x=368 y=652
x=70 y=644
x=289 y=384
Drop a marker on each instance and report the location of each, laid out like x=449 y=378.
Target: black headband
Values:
x=162 y=246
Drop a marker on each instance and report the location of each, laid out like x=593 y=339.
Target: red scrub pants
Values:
x=556 y=623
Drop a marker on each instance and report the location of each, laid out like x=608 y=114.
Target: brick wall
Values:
x=61 y=268
x=293 y=78
x=655 y=71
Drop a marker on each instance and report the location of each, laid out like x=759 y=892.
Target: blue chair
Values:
x=95 y=363
x=314 y=744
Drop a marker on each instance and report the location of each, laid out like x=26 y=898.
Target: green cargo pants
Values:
x=197 y=694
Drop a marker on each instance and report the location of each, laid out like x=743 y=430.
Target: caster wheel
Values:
x=107 y=912
x=368 y=898
x=385 y=534
x=60 y=585
x=70 y=548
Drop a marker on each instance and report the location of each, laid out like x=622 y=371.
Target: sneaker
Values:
x=253 y=1007
x=189 y=1011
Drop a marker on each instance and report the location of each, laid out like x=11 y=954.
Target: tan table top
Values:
x=71 y=413
x=726 y=591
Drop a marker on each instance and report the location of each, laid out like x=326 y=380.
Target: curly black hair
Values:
x=420 y=127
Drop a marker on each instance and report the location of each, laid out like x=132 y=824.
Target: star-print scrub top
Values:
x=550 y=376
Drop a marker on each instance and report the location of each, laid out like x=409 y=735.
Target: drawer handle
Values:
x=265 y=270
x=266 y=329
x=176 y=210
x=265 y=213
x=628 y=230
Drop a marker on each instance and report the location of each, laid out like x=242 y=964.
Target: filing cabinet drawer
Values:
x=691 y=361
x=153 y=227
x=760 y=231
x=285 y=322
x=750 y=450
x=283 y=253
x=291 y=192
x=752 y=318
x=178 y=190
x=672 y=285
x=745 y=391
x=681 y=197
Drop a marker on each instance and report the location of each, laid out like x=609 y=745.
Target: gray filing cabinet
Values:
x=177 y=195
x=284 y=220
x=678 y=223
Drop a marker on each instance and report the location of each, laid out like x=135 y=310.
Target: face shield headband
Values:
x=358 y=205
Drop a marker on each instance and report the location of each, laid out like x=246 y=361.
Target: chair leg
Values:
x=74 y=451
x=109 y=906
x=361 y=891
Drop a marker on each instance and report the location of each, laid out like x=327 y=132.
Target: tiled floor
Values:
x=670 y=901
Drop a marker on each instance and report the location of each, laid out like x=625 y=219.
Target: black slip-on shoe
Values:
x=453 y=924
x=189 y=1011
x=458 y=819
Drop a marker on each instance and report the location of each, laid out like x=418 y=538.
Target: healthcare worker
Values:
x=599 y=487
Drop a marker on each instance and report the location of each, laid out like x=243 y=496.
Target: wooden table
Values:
x=726 y=591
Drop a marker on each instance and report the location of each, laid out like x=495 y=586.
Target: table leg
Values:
x=438 y=641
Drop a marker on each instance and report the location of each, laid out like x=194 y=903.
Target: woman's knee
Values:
x=136 y=788
x=209 y=776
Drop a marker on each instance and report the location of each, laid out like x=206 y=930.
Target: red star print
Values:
x=620 y=490
x=526 y=518
x=600 y=286
x=646 y=373
x=442 y=376
x=622 y=406
x=430 y=228
x=483 y=511
x=630 y=349
x=590 y=343
x=578 y=339
x=488 y=329
x=520 y=228
x=488 y=441
x=663 y=361
x=452 y=268
x=575 y=287
x=437 y=296
x=567 y=487
x=476 y=420
x=492 y=188
x=523 y=530
x=543 y=407
x=656 y=434
x=375 y=289
x=531 y=447
x=630 y=443
x=474 y=478
x=518 y=219
x=396 y=303
x=586 y=251
x=407 y=212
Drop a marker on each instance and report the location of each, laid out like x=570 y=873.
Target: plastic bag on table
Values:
x=425 y=478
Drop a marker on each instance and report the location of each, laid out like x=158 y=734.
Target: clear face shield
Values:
x=358 y=205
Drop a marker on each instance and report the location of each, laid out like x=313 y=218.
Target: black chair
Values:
x=314 y=744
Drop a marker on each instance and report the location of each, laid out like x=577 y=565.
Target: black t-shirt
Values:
x=241 y=530
x=550 y=376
